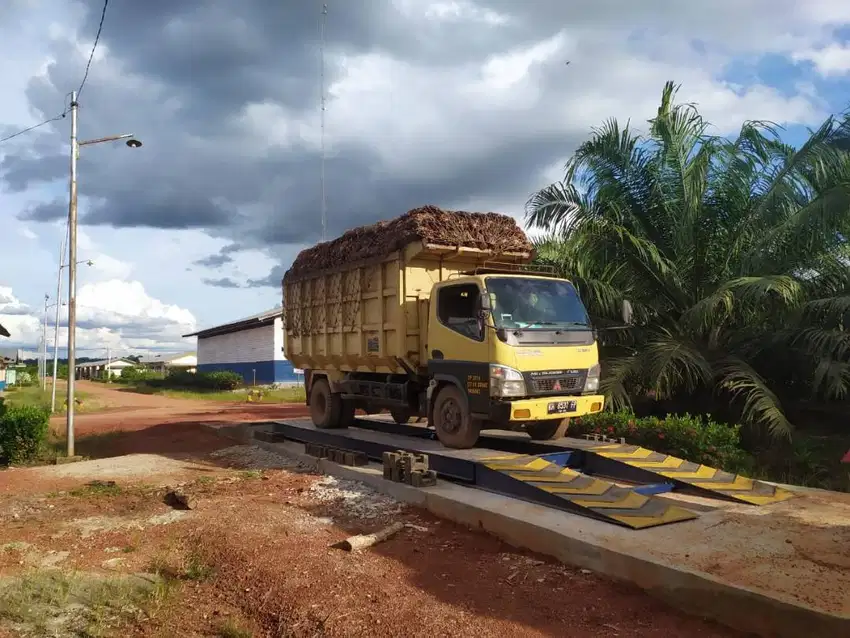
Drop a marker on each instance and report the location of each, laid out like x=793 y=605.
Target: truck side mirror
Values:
x=627 y=312
x=484 y=302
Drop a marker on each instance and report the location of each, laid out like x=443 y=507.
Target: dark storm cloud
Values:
x=223 y=282
x=214 y=261
x=200 y=62
x=272 y=280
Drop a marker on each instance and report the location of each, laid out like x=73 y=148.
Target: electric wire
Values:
x=93 y=48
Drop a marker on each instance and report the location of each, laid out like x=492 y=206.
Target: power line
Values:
x=94 y=48
x=82 y=84
x=32 y=128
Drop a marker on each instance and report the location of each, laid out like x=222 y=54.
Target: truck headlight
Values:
x=591 y=383
x=506 y=382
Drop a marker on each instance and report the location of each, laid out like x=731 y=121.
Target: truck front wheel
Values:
x=329 y=410
x=546 y=430
x=454 y=425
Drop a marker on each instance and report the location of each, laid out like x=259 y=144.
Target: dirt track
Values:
x=255 y=551
x=132 y=411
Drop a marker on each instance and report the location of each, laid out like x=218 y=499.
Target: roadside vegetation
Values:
x=733 y=254
x=19 y=395
x=207 y=386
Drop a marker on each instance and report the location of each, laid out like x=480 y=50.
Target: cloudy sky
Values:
x=458 y=103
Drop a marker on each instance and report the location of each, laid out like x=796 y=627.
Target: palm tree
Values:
x=732 y=252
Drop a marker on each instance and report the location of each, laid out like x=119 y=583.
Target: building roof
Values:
x=4 y=332
x=10 y=355
x=167 y=357
x=255 y=321
x=103 y=362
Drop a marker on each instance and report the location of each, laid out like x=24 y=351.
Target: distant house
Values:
x=250 y=347
x=99 y=369
x=164 y=363
x=8 y=357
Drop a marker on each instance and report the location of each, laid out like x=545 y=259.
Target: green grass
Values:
x=52 y=602
x=34 y=395
x=97 y=489
x=231 y=629
x=282 y=395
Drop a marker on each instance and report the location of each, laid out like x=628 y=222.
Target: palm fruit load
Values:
x=428 y=224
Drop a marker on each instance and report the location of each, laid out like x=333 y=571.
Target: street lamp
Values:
x=72 y=259
x=59 y=302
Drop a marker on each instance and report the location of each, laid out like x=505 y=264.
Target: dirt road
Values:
x=254 y=554
x=126 y=410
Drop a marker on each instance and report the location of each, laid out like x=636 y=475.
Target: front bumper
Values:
x=525 y=410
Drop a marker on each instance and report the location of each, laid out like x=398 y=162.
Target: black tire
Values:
x=328 y=410
x=545 y=430
x=454 y=425
x=400 y=415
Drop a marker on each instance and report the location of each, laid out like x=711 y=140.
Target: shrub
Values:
x=222 y=380
x=134 y=374
x=696 y=439
x=211 y=381
x=23 y=431
x=25 y=379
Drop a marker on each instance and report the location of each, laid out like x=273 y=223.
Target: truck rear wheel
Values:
x=545 y=430
x=454 y=425
x=328 y=410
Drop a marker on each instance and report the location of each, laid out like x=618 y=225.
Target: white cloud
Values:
x=831 y=60
x=27 y=233
x=117 y=314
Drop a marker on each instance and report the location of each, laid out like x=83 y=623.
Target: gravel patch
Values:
x=358 y=499
x=129 y=466
x=251 y=457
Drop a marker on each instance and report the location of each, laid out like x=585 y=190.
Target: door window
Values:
x=457 y=309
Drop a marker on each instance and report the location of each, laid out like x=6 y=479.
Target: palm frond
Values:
x=760 y=405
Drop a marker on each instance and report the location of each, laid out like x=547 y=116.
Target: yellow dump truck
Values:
x=437 y=316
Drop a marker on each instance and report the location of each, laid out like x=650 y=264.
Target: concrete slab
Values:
x=778 y=570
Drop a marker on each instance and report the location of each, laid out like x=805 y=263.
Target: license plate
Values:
x=560 y=407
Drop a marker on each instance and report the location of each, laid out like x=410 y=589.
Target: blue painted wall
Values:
x=266 y=371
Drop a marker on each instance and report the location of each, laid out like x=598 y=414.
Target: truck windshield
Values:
x=518 y=302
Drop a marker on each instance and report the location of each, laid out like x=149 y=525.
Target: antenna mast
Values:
x=322 y=178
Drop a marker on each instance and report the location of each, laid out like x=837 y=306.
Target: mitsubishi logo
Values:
x=557 y=385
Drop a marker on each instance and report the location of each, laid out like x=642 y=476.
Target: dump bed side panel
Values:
x=369 y=317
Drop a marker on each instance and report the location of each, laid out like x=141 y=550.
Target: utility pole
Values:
x=44 y=346
x=72 y=280
x=56 y=324
x=72 y=260
x=323 y=108
x=108 y=365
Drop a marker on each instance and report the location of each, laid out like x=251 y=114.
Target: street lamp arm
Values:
x=111 y=138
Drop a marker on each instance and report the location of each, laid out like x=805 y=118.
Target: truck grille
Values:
x=557 y=384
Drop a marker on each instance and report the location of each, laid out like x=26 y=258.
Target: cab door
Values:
x=458 y=341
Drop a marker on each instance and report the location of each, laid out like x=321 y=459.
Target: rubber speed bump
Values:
x=534 y=478
x=701 y=478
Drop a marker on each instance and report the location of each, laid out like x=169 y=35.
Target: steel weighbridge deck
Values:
x=622 y=462
x=542 y=479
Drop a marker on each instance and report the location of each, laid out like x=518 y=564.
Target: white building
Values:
x=164 y=363
x=251 y=347
x=99 y=369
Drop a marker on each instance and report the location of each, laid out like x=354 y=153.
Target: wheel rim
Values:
x=450 y=416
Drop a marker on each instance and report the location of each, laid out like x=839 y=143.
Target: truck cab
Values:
x=508 y=351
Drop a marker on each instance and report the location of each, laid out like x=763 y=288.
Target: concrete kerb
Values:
x=575 y=540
